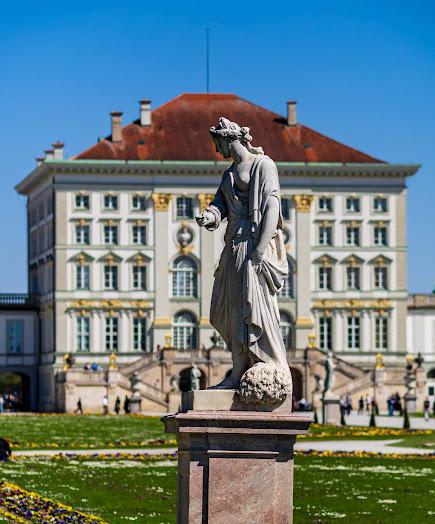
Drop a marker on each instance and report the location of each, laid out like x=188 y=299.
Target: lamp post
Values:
x=311 y=345
x=410 y=383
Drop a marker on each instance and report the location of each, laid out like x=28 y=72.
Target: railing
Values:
x=421 y=300
x=151 y=392
x=16 y=299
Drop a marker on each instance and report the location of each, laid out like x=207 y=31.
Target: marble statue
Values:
x=253 y=264
x=329 y=375
x=195 y=376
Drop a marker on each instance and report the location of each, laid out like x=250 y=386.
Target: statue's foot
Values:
x=227 y=383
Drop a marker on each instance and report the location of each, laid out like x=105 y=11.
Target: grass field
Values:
x=92 y=432
x=327 y=489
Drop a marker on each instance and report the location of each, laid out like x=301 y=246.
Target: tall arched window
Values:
x=287 y=290
x=184 y=278
x=286 y=327
x=185 y=331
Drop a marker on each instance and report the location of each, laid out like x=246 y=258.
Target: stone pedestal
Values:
x=135 y=405
x=234 y=465
x=331 y=410
x=411 y=403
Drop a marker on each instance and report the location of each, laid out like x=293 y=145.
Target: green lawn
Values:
x=81 y=432
x=327 y=489
x=93 y=431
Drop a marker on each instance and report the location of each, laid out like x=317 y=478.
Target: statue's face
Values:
x=222 y=146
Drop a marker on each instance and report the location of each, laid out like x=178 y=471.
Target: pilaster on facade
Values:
x=304 y=323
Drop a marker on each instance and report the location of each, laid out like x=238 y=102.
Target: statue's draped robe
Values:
x=244 y=306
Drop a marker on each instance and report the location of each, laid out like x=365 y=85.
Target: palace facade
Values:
x=119 y=267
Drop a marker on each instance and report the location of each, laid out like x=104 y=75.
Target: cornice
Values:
x=201 y=168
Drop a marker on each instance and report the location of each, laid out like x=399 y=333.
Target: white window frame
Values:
x=286 y=327
x=83 y=234
x=184 y=279
x=353 y=204
x=139 y=234
x=325 y=333
x=139 y=276
x=353 y=235
x=325 y=278
x=111 y=234
x=380 y=199
x=139 y=334
x=353 y=278
x=111 y=334
x=111 y=277
x=325 y=235
x=138 y=203
x=185 y=331
x=379 y=232
x=83 y=334
x=353 y=333
x=182 y=204
x=110 y=202
x=79 y=202
x=327 y=208
x=83 y=276
x=381 y=333
x=384 y=279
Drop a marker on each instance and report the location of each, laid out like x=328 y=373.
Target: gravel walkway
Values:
x=377 y=446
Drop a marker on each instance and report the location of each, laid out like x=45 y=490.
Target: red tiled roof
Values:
x=179 y=131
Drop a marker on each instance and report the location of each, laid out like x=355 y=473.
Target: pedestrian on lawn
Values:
x=126 y=405
x=426 y=406
x=117 y=405
x=105 y=405
x=79 y=408
x=2 y=404
x=5 y=450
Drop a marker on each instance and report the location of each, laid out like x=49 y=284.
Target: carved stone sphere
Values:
x=265 y=383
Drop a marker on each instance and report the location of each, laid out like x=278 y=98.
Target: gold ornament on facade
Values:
x=168 y=340
x=304 y=322
x=161 y=201
x=326 y=262
x=379 y=361
x=352 y=261
x=204 y=201
x=112 y=360
x=312 y=340
x=303 y=203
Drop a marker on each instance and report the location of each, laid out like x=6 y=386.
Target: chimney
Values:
x=58 y=150
x=49 y=154
x=292 y=119
x=145 y=112
x=116 y=126
x=39 y=160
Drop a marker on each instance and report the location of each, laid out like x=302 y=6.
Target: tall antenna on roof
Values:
x=207 y=58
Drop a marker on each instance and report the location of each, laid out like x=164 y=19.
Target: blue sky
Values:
x=362 y=72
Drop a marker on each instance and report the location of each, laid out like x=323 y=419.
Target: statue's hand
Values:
x=207 y=218
x=257 y=261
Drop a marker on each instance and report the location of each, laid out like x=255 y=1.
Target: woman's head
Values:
x=227 y=132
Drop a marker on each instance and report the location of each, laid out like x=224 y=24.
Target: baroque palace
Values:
x=120 y=276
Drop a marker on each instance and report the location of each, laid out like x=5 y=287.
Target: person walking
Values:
x=361 y=406
x=2 y=404
x=105 y=405
x=5 y=450
x=126 y=405
x=117 y=405
x=426 y=406
x=79 y=408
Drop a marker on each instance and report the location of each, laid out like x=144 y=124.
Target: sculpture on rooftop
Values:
x=252 y=267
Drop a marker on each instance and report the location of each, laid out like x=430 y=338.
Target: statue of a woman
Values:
x=253 y=264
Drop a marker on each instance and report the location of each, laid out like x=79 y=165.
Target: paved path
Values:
x=377 y=446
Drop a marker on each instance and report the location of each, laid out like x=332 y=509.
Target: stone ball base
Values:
x=265 y=383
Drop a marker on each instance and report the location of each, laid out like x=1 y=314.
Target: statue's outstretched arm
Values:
x=215 y=213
